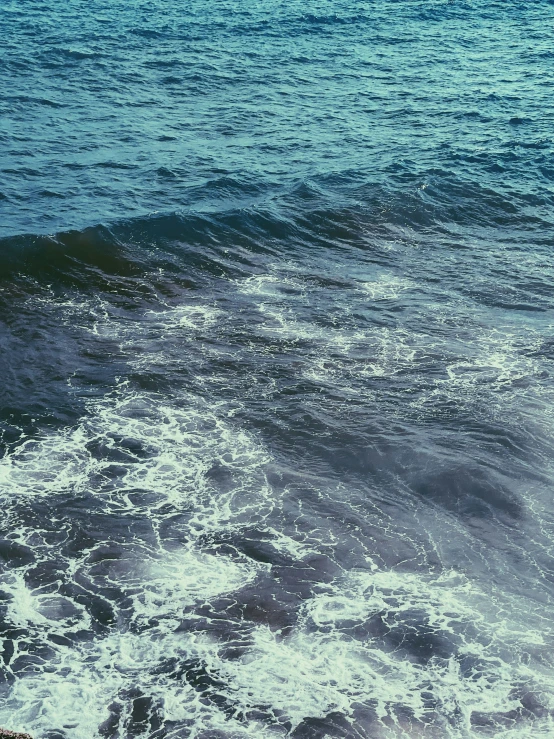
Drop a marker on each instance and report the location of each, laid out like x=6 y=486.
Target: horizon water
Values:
x=277 y=342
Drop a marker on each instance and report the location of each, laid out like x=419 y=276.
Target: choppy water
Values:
x=276 y=292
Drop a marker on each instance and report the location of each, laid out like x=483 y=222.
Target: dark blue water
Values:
x=277 y=342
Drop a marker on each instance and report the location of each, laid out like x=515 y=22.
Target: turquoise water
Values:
x=277 y=340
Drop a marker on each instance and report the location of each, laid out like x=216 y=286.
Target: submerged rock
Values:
x=6 y=734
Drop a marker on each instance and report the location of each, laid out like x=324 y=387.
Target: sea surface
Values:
x=276 y=361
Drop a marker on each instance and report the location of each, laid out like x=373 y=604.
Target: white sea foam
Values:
x=385 y=287
x=272 y=285
x=170 y=451
x=322 y=667
x=139 y=456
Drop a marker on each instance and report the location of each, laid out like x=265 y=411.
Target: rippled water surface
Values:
x=276 y=330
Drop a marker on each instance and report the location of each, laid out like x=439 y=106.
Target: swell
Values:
x=334 y=213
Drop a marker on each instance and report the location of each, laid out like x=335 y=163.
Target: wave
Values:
x=338 y=211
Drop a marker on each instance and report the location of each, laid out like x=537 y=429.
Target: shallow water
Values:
x=277 y=340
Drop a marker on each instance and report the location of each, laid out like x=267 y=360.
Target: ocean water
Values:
x=277 y=343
